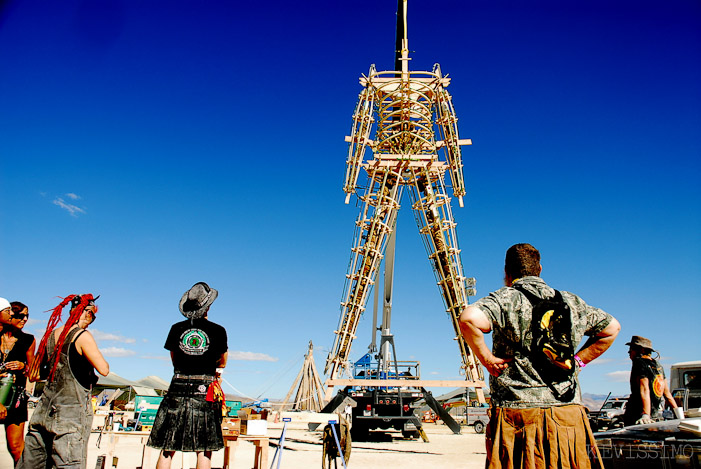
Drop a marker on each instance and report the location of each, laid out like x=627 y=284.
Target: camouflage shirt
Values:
x=509 y=312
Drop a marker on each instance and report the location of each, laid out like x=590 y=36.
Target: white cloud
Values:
x=601 y=361
x=165 y=358
x=105 y=336
x=72 y=196
x=74 y=210
x=251 y=356
x=117 y=352
x=35 y=322
x=619 y=376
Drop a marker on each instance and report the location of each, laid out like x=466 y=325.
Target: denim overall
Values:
x=60 y=426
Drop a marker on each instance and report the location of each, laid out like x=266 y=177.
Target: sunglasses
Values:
x=20 y=316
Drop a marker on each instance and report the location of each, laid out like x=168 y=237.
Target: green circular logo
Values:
x=194 y=342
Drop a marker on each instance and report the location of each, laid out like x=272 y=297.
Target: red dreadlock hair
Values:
x=80 y=303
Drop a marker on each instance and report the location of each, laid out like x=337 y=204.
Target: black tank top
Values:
x=19 y=353
x=81 y=368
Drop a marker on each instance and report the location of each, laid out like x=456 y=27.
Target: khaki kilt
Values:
x=540 y=438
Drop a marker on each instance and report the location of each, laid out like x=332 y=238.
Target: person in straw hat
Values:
x=189 y=417
x=648 y=386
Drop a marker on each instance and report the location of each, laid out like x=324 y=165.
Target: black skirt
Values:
x=185 y=420
x=17 y=413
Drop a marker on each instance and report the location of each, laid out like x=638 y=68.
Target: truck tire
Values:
x=479 y=426
x=359 y=432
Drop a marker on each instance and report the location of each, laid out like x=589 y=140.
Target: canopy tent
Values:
x=113 y=380
x=114 y=387
x=154 y=382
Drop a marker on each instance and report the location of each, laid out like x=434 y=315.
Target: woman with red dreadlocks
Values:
x=60 y=426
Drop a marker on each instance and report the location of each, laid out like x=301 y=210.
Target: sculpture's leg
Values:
x=434 y=217
x=376 y=221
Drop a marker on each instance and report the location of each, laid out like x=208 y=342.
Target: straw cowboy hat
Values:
x=640 y=341
x=197 y=300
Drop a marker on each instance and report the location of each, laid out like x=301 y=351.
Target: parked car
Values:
x=610 y=415
x=32 y=401
x=685 y=380
x=477 y=417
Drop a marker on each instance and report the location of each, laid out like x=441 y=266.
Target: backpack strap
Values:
x=535 y=300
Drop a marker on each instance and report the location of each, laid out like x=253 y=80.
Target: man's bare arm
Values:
x=645 y=395
x=473 y=324
x=668 y=396
x=599 y=343
x=221 y=363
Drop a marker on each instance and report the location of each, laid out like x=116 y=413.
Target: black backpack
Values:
x=551 y=350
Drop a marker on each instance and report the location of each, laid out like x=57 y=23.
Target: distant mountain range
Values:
x=595 y=401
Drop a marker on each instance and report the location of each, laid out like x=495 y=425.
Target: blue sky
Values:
x=148 y=145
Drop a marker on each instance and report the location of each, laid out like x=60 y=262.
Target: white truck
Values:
x=685 y=384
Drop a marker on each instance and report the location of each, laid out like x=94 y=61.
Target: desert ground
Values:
x=302 y=450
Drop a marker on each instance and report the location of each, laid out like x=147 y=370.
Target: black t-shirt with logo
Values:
x=644 y=368
x=196 y=345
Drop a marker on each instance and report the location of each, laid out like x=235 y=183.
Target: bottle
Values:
x=6 y=383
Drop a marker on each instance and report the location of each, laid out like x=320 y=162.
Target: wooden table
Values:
x=113 y=438
x=231 y=442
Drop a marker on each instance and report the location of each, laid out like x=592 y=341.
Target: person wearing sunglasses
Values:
x=5 y=313
x=16 y=353
x=67 y=357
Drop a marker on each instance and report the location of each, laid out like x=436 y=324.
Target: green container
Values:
x=147 y=407
x=6 y=393
x=234 y=408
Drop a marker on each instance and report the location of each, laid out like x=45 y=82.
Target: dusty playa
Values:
x=303 y=451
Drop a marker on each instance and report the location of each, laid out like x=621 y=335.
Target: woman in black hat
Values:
x=648 y=385
x=189 y=417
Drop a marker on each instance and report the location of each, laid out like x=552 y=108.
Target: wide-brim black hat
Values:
x=197 y=300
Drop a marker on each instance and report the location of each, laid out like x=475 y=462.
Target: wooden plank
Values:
x=394 y=383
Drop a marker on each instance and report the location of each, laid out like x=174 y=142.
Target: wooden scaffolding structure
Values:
x=310 y=393
x=407 y=121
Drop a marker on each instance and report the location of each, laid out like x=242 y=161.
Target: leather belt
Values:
x=200 y=377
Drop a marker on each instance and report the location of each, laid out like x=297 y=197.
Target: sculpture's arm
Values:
x=358 y=140
x=448 y=127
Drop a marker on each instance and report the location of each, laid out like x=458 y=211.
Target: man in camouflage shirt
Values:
x=529 y=426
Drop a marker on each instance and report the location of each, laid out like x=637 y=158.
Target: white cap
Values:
x=4 y=304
